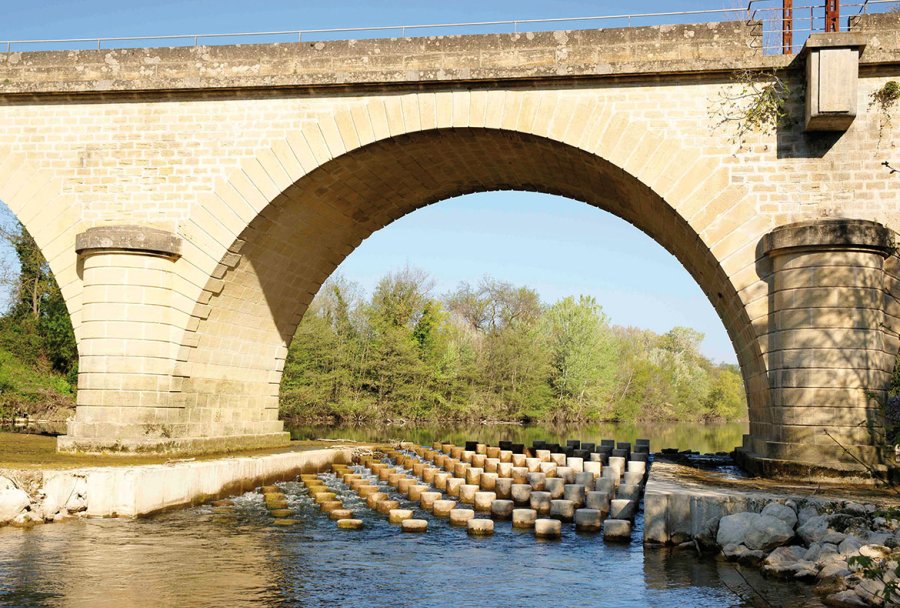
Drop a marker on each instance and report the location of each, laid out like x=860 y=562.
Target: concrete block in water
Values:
x=633 y=478
x=628 y=492
x=559 y=459
x=491 y=464
x=503 y=487
x=450 y=465
x=467 y=493
x=576 y=464
x=588 y=520
x=536 y=481
x=480 y=527
x=394 y=479
x=414 y=493
x=636 y=466
x=372 y=500
x=447 y=447
x=618 y=463
x=520 y=474
x=442 y=508
x=521 y=492
x=417 y=468
x=506 y=456
x=386 y=506
x=341 y=514
x=543 y=455
x=605 y=484
x=427 y=499
x=504 y=469
x=622 y=509
x=556 y=486
x=655 y=526
x=612 y=474
x=549 y=469
x=453 y=485
x=414 y=525
x=493 y=451
x=385 y=473
x=563 y=510
x=540 y=502
x=483 y=500
x=574 y=492
x=406 y=483
x=488 y=481
x=459 y=517
x=501 y=509
x=349 y=524
x=533 y=464
x=321 y=497
x=331 y=505
x=428 y=475
x=585 y=478
x=460 y=468
x=597 y=500
x=348 y=477
x=523 y=518
x=395 y=516
x=478 y=460
x=467 y=456
x=456 y=452
x=596 y=457
x=440 y=480
x=518 y=460
x=473 y=475
x=594 y=468
x=547 y=528
x=567 y=474
x=480 y=448
x=617 y=530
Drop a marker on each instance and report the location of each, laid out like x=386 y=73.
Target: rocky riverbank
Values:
x=846 y=544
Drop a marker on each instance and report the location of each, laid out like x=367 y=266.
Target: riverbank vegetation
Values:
x=38 y=358
x=493 y=352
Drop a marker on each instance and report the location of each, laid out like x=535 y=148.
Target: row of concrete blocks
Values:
x=328 y=502
x=587 y=519
x=541 y=493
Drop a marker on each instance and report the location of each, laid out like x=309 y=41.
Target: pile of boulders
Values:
x=816 y=542
x=24 y=503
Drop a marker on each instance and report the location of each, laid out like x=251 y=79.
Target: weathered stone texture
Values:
x=270 y=177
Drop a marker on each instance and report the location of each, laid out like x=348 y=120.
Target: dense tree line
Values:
x=38 y=356
x=492 y=351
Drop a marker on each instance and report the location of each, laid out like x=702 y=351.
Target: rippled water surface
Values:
x=236 y=557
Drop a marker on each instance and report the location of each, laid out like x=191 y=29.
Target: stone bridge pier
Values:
x=192 y=201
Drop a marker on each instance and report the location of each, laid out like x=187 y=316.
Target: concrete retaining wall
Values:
x=132 y=491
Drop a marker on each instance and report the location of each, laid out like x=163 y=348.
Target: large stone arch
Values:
x=276 y=229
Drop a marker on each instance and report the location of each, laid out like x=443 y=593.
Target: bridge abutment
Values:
x=131 y=383
x=828 y=354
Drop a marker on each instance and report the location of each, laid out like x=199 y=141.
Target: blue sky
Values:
x=557 y=246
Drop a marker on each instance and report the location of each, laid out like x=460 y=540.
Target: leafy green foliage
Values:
x=755 y=103
x=38 y=356
x=877 y=570
x=492 y=352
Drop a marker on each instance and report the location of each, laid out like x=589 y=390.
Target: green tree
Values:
x=583 y=356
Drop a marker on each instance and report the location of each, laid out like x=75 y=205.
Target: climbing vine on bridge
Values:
x=755 y=103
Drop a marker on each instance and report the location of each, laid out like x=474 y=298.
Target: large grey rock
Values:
x=844 y=599
x=742 y=555
x=767 y=532
x=876 y=551
x=814 y=530
x=782 y=512
x=806 y=513
x=850 y=546
x=784 y=562
x=834 y=570
x=733 y=529
x=12 y=502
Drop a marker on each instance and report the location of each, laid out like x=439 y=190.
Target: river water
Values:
x=202 y=557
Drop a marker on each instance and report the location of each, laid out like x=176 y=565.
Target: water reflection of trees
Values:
x=703 y=438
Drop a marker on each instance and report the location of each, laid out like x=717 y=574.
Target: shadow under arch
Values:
x=304 y=233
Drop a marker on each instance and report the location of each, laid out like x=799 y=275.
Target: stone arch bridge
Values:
x=191 y=201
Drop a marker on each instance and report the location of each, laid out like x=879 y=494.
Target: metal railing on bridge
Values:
x=785 y=27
